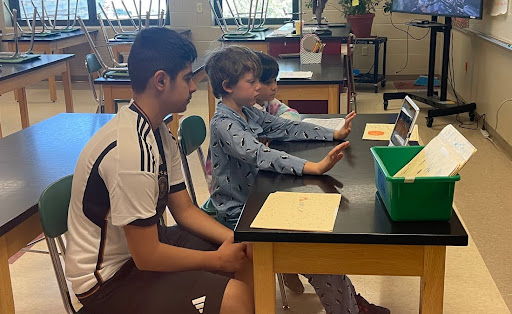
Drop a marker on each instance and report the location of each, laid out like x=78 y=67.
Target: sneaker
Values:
x=369 y=308
x=293 y=283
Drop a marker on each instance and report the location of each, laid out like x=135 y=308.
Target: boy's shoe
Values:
x=369 y=308
x=293 y=283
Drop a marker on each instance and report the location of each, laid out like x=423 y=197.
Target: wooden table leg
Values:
x=108 y=100
x=51 y=80
x=22 y=101
x=333 y=105
x=264 y=278
x=66 y=82
x=12 y=47
x=6 y=297
x=432 y=281
x=53 y=89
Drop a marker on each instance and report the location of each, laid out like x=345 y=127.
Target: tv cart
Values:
x=442 y=105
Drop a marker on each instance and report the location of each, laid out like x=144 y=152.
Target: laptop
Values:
x=404 y=123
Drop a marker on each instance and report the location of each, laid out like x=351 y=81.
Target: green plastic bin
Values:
x=427 y=198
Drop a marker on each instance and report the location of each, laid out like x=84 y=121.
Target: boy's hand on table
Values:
x=231 y=256
x=345 y=130
x=327 y=163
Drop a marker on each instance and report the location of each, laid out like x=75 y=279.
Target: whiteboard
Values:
x=498 y=27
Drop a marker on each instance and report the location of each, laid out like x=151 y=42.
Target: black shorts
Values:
x=131 y=290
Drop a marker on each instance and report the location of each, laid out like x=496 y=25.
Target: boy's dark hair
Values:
x=269 y=68
x=230 y=64
x=155 y=49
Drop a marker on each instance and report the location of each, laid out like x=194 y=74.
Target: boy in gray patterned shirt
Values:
x=237 y=156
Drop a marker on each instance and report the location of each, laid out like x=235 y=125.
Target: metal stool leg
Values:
x=284 y=298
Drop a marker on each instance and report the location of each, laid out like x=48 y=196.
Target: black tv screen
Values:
x=453 y=8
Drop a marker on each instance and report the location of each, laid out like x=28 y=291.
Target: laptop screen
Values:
x=404 y=124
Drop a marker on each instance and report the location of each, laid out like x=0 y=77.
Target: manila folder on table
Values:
x=298 y=211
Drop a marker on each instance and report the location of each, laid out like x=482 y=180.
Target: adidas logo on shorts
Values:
x=199 y=303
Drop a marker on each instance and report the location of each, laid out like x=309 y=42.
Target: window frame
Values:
x=268 y=21
x=93 y=18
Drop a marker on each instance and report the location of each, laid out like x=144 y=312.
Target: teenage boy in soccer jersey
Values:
x=120 y=259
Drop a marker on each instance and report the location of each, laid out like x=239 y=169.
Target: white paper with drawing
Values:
x=444 y=155
x=298 y=211
x=382 y=132
x=333 y=123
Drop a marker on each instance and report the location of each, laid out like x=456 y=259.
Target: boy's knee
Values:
x=238 y=298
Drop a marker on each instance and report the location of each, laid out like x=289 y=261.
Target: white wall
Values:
x=487 y=81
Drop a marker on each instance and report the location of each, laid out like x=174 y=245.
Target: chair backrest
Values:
x=191 y=134
x=91 y=63
x=53 y=207
x=93 y=66
x=53 y=212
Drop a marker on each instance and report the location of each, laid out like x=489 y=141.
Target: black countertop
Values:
x=51 y=38
x=362 y=217
x=330 y=71
x=10 y=70
x=34 y=157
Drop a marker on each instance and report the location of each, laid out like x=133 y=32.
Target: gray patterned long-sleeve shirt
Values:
x=237 y=155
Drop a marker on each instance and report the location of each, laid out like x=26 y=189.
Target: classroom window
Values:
x=278 y=10
x=113 y=7
x=88 y=10
x=25 y=8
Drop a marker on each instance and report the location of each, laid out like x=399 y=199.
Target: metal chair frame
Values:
x=68 y=26
x=184 y=151
x=349 y=73
x=54 y=239
x=17 y=54
x=117 y=66
x=240 y=31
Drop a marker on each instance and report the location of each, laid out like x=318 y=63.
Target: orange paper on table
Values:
x=298 y=211
x=382 y=132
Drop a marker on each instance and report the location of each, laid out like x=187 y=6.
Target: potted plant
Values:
x=359 y=13
x=360 y=16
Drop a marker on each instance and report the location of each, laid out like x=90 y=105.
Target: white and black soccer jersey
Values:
x=123 y=176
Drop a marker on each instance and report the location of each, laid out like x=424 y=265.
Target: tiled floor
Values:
x=478 y=277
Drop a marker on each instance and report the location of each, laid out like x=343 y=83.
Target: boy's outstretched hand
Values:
x=327 y=163
x=345 y=130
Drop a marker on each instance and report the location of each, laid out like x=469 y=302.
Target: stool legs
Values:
x=284 y=298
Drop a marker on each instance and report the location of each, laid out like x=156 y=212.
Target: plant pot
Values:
x=361 y=24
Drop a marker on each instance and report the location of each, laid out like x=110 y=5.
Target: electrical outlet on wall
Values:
x=364 y=50
x=199 y=7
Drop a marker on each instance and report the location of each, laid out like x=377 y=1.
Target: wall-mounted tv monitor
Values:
x=453 y=8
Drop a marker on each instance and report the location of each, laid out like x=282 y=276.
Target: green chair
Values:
x=53 y=212
x=93 y=66
x=191 y=135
